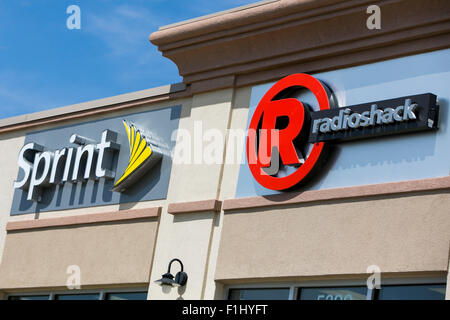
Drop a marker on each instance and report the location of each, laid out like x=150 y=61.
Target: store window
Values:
x=431 y=291
x=341 y=293
x=40 y=297
x=127 y=296
x=95 y=295
x=259 y=294
x=412 y=292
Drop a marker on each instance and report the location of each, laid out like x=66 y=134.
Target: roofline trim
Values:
x=88 y=107
x=216 y=14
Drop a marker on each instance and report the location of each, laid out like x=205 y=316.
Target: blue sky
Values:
x=44 y=65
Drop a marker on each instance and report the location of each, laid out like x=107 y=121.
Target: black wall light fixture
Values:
x=168 y=279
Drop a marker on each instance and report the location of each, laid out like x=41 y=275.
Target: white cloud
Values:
x=124 y=29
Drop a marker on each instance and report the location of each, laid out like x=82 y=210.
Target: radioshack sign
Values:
x=110 y=161
x=287 y=139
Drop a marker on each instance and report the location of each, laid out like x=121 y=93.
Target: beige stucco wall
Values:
x=191 y=178
x=232 y=164
x=107 y=253
x=188 y=236
x=10 y=144
x=398 y=233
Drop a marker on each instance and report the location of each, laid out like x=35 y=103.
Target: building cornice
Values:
x=271 y=40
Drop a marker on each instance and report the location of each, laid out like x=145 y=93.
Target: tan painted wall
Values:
x=398 y=233
x=10 y=144
x=188 y=237
x=196 y=180
x=107 y=253
x=233 y=159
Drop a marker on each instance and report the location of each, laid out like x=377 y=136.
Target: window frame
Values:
x=283 y=287
x=102 y=293
x=377 y=294
x=295 y=287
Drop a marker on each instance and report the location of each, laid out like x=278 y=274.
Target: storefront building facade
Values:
x=109 y=191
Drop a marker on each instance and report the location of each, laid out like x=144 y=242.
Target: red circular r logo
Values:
x=278 y=126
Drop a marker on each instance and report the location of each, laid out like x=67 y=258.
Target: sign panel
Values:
x=386 y=117
x=287 y=139
x=109 y=161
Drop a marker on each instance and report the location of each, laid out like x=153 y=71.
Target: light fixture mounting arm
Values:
x=177 y=260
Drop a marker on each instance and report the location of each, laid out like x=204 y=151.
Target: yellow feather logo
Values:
x=142 y=158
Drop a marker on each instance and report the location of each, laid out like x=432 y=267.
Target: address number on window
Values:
x=334 y=297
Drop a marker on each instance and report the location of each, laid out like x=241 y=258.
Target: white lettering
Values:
x=39 y=169
x=25 y=162
x=56 y=176
x=375 y=116
x=105 y=154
